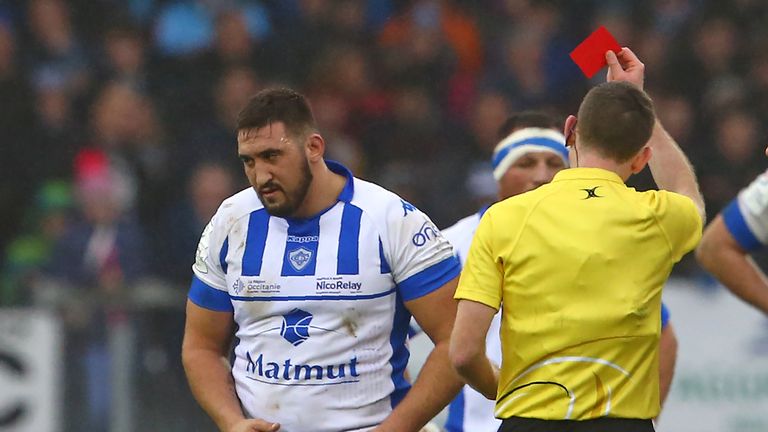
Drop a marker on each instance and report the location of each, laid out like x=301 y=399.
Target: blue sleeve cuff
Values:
x=664 y=315
x=413 y=331
x=429 y=279
x=208 y=297
x=738 y=227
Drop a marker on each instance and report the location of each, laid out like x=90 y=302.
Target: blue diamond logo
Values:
x=295 y=327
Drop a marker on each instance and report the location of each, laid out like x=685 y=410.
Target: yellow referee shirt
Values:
x=577 y=267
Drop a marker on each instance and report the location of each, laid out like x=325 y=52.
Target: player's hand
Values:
x=254 y=425
x=429 y=427
x=625 y=67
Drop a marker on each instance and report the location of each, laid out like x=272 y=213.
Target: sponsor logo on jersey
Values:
x=426 y=233
x=286 y=372
x=407 y=207
x=336 y=284
x=238 y=286
x=255 y=286
x=592 y=193
x=296 y=328
x=303 y=239
x=299 y=258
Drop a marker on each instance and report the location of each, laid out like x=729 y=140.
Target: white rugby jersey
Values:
x=746 y=217
x=470 y=411
x=318 y=303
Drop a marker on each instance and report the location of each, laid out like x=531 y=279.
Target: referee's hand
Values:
x=625 y=67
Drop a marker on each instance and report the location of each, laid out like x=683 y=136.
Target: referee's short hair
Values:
x=616 y=119
x=274 y=105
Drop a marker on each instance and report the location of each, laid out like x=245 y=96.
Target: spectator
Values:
x=125 y=128
x=125 y=58
x=56 y=50
x=29 y=254
x=99 y=258
x=208 y=186
x=14 y=128
x=211 y=140
x=731 y=164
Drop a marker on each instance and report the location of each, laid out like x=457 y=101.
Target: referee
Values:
x=577 y=267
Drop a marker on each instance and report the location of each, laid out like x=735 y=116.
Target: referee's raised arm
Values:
x=671 y=169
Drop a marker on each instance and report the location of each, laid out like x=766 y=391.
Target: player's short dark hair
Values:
x=278 y=105
x=616 y=119
x=526 y=119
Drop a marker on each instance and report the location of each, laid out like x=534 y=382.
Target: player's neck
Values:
x=323 y=192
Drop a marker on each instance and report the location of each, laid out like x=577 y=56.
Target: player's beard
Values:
x=293 y=198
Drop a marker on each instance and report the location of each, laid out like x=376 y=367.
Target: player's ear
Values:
x=315 y=147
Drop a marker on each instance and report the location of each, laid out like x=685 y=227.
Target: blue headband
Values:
x=525 y=141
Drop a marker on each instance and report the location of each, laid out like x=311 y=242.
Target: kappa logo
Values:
x=407 y=207
x=299 y=258
x=303 y=239
x=591 y=193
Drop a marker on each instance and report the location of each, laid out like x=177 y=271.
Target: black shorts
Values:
x=521 y=424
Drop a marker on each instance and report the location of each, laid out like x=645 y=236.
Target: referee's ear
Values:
x=639 y=160
x=569 y=130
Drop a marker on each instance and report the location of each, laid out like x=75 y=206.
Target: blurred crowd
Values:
x=118 y=116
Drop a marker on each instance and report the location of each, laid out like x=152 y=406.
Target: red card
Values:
x=590 y=54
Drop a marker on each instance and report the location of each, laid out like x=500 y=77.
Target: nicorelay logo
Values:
x=336 y=284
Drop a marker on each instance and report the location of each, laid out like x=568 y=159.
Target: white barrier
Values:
x=30 y=371
x=721 y=379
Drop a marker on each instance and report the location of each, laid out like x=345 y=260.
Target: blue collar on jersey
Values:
x=482 y=210
x=349 y=189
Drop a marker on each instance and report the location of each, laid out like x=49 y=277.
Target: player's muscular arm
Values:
x=437 y=383
x=207 y=336
x=468 y=352
x=721 y=255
